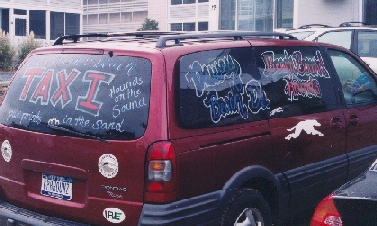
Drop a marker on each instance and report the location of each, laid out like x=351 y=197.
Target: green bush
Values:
x=7 y=52
x=28 y=45
x=148 y=25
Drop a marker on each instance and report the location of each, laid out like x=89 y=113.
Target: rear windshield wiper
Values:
x=77 y=133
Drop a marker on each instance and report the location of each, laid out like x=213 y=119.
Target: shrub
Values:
x=149 y=24
x=28 y=45
x=7 y=52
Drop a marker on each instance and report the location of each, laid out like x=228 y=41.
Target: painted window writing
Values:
x=93 y=95
x=228 y=86
x=297 y=80
x=219 y=87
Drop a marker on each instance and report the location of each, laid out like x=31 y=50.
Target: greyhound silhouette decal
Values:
x=307 y=126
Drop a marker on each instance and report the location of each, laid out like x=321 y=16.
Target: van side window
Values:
x=229 y=86
x=358 y=85
x=220 y=87
x=296 y=80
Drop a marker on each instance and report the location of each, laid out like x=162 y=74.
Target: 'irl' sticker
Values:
x=114 y=215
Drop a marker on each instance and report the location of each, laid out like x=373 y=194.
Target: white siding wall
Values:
x=68 y=6
x=330 y=12
x=158 y=10
x=188 y=13
x=114 y=17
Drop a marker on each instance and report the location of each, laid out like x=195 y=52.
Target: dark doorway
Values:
x=38 y=23
x=5 y=20
x=370 y=12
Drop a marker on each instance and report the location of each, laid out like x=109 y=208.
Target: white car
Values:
x=356 y=36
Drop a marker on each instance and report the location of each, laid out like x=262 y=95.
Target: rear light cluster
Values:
x=326 y=214
x=161 y=173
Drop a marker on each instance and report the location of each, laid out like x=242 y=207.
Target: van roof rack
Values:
x=314 y=25
x=164 y=37
x=353 y=24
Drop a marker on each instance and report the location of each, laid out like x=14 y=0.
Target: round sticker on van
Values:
x=114 y=215
x=6 y=150
x=108 y=165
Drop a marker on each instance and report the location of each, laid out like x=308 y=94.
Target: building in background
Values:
x=104 y=16
x=48 y=19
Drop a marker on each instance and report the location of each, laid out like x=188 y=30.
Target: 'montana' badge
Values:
x=6 y=150
x=108 y=165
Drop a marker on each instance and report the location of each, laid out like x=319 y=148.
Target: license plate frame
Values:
x=56 y=186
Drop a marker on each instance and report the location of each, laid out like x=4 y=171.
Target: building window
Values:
x=284 y=13
x=178 y=2
x=20 y=26
x=56 y=25
x=200 y=1
x=251 y=15
x=188 y=26
x=140 y=15
x=176 y=27
x=182 y=27
x=85 y=19
x=72 y=23
x=19 y=12
x=114 y=18
x=126 y=17
x=370 y=12
x=64 y=24
x=202 y=26
x=5 y=20
x=103 y=18
x=227 y=15
x=38 y=23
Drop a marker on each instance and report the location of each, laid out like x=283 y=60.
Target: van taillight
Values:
x=326 y=214
x=161 y=173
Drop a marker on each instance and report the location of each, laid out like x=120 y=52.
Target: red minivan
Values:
x=213 y=128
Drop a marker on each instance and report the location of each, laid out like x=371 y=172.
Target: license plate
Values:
x=56 y=186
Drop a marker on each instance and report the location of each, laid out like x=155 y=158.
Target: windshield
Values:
x=92 y=96
x=301 y=35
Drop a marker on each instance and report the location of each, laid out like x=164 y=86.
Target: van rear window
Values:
x=90 y=96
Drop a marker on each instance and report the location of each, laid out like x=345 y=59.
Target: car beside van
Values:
x=212 y=128
x=359 y=37
x=351 y=204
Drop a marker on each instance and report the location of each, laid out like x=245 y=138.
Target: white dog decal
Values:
x=307 y=126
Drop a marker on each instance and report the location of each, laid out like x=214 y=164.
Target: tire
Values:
x=247 y=208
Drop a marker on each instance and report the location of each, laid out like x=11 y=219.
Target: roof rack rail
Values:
x=237 y=35
x=137 y=34
x=350 y=24
x=164 y=37
x=75 y=38
x=314 y=25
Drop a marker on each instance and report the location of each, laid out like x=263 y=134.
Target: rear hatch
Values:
x=71 y=136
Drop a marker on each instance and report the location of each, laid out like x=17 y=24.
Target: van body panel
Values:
x=175 y=134
x=93 y=189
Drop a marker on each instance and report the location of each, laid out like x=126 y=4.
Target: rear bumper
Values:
x=202 y=210
x=12 y=215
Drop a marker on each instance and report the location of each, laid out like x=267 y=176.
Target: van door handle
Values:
x=353 y=120
x=336 y=123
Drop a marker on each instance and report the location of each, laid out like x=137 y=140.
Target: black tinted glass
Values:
x=80 y=95
x=229 y=86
